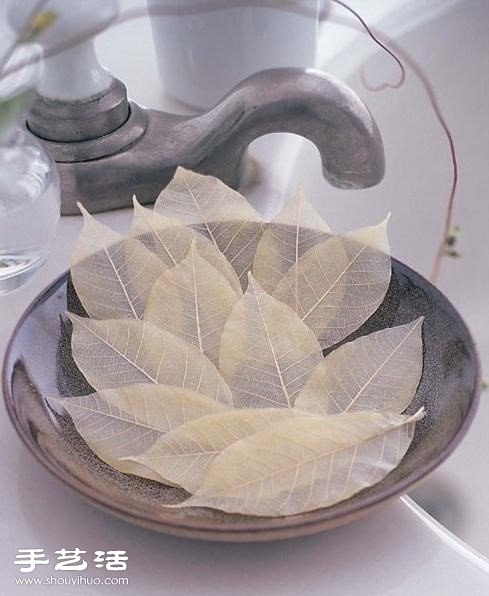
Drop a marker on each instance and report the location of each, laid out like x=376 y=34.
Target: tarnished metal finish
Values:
x=118 y=140
x=79 y=120
x=307 y=103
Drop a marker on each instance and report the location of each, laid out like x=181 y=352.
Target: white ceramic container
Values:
x=204 y=48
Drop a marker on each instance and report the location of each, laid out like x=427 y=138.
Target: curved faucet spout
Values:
x=305 y=102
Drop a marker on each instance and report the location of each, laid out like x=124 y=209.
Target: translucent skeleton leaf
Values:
x=115 y=353
x=267 y=352
x=336 y=285
x=380 y=371
x=192 y=300
x=170 y=240
x=218 y=212
x=118 y=423
x=305 y=463
x=183 y=455
x=112 y=274
x=296 y=229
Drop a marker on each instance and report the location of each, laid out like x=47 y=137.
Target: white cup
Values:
x=206 y=47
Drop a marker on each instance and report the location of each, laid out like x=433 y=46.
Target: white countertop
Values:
x=397 y=551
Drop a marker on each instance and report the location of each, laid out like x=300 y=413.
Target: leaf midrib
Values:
x=306 y=461
x=334 y=284
x=124 y=356
x=377 y=371
x=272 y=349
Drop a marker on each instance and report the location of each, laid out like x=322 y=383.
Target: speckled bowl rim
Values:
x=277 y=528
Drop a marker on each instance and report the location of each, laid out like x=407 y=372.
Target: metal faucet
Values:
x=108 y=148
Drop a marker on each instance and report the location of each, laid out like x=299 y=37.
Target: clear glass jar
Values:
x=29 y=207
x=29 y=181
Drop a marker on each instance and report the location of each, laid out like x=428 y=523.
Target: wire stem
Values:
x=428 y=88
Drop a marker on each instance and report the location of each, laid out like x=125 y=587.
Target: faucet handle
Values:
x=75 y=73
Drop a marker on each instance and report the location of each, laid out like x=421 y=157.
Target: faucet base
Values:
x=139 y=158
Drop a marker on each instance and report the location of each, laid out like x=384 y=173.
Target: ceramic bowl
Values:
x=39 y=363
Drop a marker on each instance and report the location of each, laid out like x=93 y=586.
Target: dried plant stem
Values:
x=428 y=88
x=374 y=37
x=448 y=218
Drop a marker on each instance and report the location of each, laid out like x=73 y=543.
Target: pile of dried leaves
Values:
x=205 y=348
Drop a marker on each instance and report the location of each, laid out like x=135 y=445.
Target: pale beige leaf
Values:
x=338 y=284
x=192 y=300
x=296 y=229
x=217 y=211
x=182 y=455
x=170 y=240
x=380 y=371
x=118 y=423
x=115 y=353
x=266 y=351
x=112 y=274
x=306 y=463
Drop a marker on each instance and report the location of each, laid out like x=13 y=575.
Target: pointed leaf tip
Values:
x=120 y=423
x=170 y=240
x=83 y=211
x=379 y=372
x=72 y=317
x=216 y=211
x=112 y=274
x=120 y=352
x=193 y=248
x=193 y=301
x=419 y=415
x=318 y=285
x=265 y=366
x=328 y=459
x=291 y=233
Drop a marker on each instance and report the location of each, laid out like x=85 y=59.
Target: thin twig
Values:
x=382 y=45
x=421 y=76
x=448 y=219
